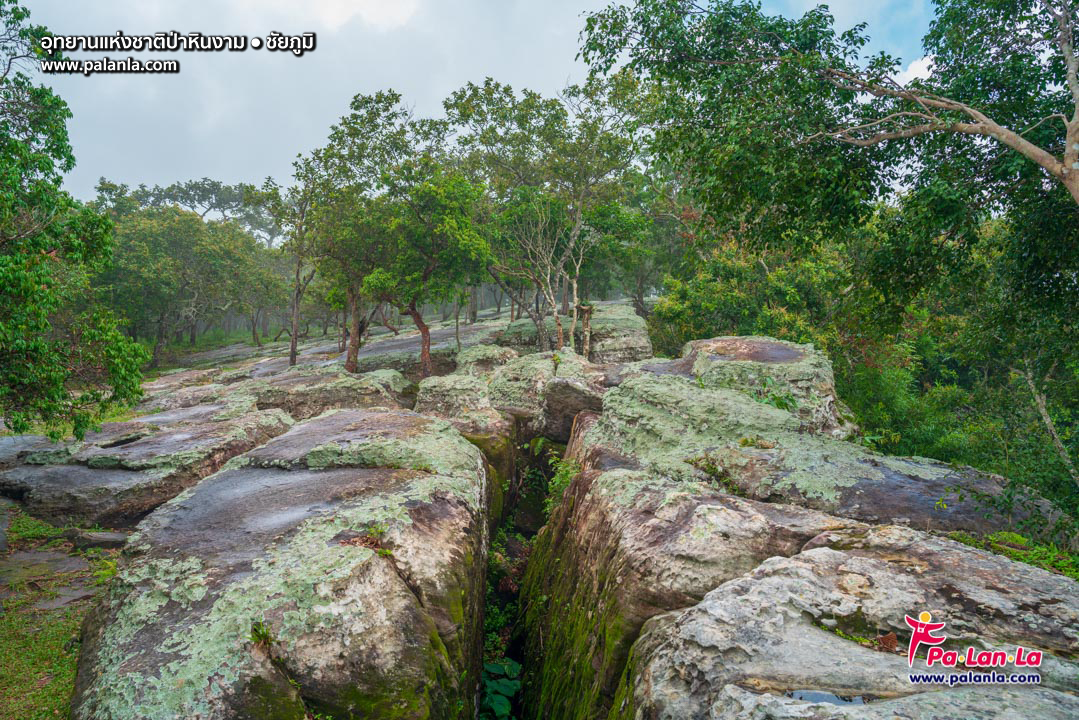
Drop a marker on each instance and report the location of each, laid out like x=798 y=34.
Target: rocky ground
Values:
x=306 y=542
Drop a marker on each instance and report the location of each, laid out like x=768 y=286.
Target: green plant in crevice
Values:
x=716 y=473
x=769 y=394
x=564 y=472
x=261 y=635
x=501 y=683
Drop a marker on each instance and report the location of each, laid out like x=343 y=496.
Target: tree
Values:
x=63 y=361
x=550 y=161
x=434 y=247
x=354 y=221
x=1001 y=68
x=292 y=211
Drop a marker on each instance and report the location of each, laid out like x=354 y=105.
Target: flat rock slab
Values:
x=356 y=542
x=14 y=447
x=116 y=476
x=786 y=626
x=680 y=429
x=24 y=565
x=83 y=539
x=67 y=595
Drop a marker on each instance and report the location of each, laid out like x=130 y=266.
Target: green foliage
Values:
x=63 y=361
x=261 y=634
x=740 y=292
x=501 y=683
x=104 y=566
x=1017 y=547
x=564 y=472
x=26 y=530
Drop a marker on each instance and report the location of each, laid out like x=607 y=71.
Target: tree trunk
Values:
x=457 y=325
x=297 y=296
x=474 y=305
x=266 y=324
x=159 y=342
x=354 y=330
x=1041 y=405
x=425 y=340
x=586 y=329
x=576 y=314
x=498 y=303
x=255 y=328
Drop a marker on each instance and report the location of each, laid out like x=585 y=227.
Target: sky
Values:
x=245 y=116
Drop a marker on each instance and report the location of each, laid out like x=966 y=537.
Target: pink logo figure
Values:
x=923 y=633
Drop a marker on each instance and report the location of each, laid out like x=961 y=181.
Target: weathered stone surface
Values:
x=115 y=476
x=626 y=545
x=770 y=631
x=450 y=395
x=681 y=430
x=13 y=448
x=24 y=565
x=482 y=360
x=687 y=484
x=547 y=390
x=773 y=371
x=83 y=539
x=304 y=392
x=357 y=538
x=618 y=335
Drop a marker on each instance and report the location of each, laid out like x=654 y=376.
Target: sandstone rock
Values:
x=337 y=569
x=619 y=335
x=13 y=448
x=462 y=401
x=83 y=539
x=547 y=390
x=771 y=632
x=791 y=376
x=116 y=476
x=483 y=359
x=625 y=545
x=679 y=429
x=451 y=395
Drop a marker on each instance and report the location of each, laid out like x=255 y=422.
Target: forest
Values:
x=721 y=170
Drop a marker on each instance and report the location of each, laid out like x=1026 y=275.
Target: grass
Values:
x=39 y=648
x=38 y=654
x=1017 y=547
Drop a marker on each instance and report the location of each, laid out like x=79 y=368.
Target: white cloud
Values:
x=918 y=69
x=334 y=14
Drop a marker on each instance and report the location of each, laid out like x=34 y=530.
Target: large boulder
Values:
x=753 y=646
x=338 y=569
x=482 y=360
x=689 y=480
x=545 y=391
x=681 y=428
x=787 y=375
x=117 y=475
x=461 y=400
x=625 y=545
